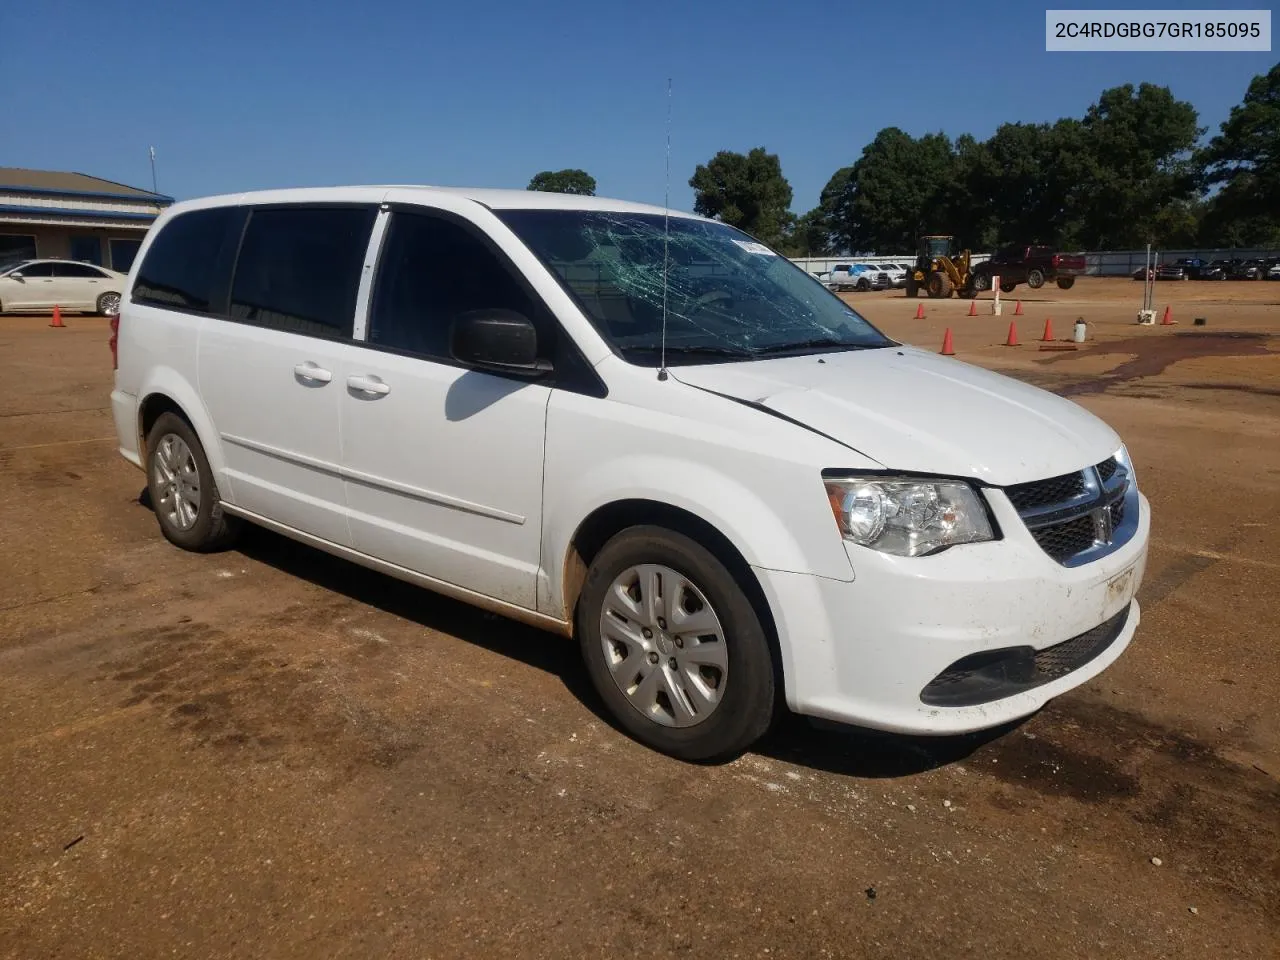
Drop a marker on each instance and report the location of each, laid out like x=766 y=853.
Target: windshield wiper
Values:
x=801 y=345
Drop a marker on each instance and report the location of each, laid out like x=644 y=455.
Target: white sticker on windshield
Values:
x=752 y=247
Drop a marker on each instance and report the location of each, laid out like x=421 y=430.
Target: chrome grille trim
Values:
x=1106 y=496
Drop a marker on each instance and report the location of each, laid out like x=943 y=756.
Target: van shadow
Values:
x=820 y=745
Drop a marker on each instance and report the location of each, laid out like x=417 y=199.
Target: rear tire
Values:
x=109 y=304
x=682 y=693
x=1008 y=287
x=912 y=289
x=183 y=493
x=1066 y=283
x=1035 y=278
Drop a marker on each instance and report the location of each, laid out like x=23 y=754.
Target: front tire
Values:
x=1066 y=283
x=1008 y=287
x=183 y=493
x=939 y=285
x=1035 y=278
x=674 y=647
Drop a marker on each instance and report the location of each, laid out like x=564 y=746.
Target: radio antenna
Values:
x=666 y=239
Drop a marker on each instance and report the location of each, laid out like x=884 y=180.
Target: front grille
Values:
x=1042 y=493
x=1064 y=540
x=1117 y=513
x=1077 y=517
x=995 y=674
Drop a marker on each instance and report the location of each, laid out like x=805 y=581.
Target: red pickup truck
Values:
x=1030 y=265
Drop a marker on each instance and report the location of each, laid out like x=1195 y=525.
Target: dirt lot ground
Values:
x=271 y=753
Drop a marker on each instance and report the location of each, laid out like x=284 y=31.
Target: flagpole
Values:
x=154 y=189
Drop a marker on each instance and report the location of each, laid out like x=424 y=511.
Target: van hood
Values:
x=920 y=412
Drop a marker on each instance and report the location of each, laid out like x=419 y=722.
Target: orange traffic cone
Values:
x=57 y=317
x=973 y=308
x=1012 y=339
x=1048 y=330
x=1167 y=321
x=947 y=349
x=1017 y=310
x=919 y=311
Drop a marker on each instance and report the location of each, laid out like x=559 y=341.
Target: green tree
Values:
x=809 y=236
x=1243 y=160
x=1138 y=160
x=747 y=191
x=564 y=181
x=898 y=189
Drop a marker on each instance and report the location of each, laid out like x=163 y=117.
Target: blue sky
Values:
x=245 y=95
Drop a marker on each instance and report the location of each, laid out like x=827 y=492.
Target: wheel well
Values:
x=149 y=411
x=608 y=521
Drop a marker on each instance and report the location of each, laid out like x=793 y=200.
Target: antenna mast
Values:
x=666 y=238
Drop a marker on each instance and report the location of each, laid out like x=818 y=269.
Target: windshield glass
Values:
x=727 y=296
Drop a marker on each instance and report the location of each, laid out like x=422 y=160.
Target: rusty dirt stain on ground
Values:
x=1152 y=357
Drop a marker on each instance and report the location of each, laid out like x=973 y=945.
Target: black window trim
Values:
x=572 y=371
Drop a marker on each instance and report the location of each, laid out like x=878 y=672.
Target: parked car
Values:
x=1273 y=269
x=1032 y=265
x=1192 y=267
x=1163 y=271
x=1246 y=270
x=718 y=483
x=856 y=276
x=896 y=272
x=44 y=284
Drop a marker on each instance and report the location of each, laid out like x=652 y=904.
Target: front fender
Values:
x=760 y=533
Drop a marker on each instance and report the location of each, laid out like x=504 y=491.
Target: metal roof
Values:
x=57 y=183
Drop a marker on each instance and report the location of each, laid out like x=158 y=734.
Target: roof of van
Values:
x=491 y=198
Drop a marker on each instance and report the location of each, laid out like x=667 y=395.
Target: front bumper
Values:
x=863 y=652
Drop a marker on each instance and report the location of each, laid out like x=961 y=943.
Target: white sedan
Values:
x=44 y=284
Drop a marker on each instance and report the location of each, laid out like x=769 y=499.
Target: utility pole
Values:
x=152 y=151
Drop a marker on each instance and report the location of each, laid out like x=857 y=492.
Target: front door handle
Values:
x=368 y=384
x=312 y=373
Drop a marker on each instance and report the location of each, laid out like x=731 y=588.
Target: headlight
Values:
x=908 y=518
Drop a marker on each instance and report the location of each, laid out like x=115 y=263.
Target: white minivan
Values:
x=640 y=428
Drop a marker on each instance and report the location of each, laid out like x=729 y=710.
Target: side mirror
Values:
x=495 y=339
x=15 y=274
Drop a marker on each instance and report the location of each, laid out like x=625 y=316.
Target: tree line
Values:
x=1133 y=170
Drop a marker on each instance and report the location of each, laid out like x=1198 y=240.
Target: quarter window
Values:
x=431 y=270
x=181 y=264
x=299 y=269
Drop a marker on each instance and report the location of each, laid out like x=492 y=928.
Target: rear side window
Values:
x=78 y=270
x=299 y=269
x=431 y=270
x=181 y=263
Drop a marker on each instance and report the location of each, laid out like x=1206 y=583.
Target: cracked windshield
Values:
x=727 y=296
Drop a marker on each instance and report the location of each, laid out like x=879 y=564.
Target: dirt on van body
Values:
x=270 y=753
